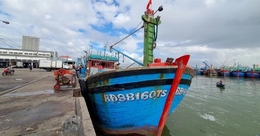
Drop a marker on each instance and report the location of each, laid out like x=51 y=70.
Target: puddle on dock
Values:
x=31 y=93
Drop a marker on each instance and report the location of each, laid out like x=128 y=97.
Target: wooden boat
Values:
x=137 y=101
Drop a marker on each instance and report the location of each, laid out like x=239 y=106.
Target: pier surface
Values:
x=29 y=106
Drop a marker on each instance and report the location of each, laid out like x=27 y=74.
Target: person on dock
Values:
x=30 y=67
x=79 y=69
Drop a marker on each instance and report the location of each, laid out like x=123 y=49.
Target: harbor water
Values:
x=211 y=111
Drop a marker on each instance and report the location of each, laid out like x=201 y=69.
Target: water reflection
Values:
x=243 y=80
x=221 y=89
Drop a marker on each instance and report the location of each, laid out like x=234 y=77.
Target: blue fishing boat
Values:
x=252 y=74
x=198 y=71
x=225 y=73
x=238 y=73
x=138 y=100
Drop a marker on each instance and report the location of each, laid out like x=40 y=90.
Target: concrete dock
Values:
x=29 y=106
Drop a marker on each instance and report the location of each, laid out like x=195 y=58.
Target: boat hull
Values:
x=130 y=102
x=252 y=74
x=238 y=74
x=226 y=73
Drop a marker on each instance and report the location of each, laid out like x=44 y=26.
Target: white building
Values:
x=22 y=58
x=30 y=43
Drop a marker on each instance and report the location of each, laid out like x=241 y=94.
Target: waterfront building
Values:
x=23 y=57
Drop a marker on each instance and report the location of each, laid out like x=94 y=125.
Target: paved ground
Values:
x=29 y=106
x=20 y=77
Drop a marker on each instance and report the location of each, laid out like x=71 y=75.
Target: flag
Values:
x=148 y=4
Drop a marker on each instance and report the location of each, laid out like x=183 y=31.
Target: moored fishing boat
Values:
x=238 y=73
x=253 y=72
x=197 y=71
x=137 y=101
x=224 y=72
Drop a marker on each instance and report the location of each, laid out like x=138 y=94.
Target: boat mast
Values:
x=149 y=33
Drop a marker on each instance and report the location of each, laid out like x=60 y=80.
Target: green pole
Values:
x=149 y=35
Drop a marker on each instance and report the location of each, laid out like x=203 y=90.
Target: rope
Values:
x=138 y=25
x=126 y=37
x=155 y=33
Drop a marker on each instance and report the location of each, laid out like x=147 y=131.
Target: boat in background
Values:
x=205 y=70
x=136 y=101
x=254 y=72
x=225 y=72
x=238 y=71
x=197 y=71
x=212 y=72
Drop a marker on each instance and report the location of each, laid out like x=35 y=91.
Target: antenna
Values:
x=105 y=48
x=91 y=48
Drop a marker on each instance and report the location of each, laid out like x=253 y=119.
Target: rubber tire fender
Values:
x=83 y=87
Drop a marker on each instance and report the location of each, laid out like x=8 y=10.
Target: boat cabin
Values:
x=101 y=62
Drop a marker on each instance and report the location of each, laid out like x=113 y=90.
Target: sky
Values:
x=217 y=32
